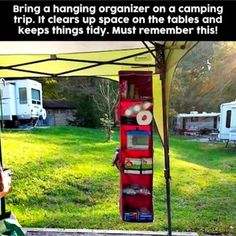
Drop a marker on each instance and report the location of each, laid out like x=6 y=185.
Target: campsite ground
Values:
x=63 y=178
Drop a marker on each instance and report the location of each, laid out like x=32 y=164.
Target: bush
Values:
x=86 y=115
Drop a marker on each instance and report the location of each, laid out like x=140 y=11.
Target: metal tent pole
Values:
x=167 y=158
x=161 y=69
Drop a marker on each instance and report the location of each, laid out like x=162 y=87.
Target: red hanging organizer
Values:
x=136 y=146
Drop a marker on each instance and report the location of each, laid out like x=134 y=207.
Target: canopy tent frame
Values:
x=96 y=63
x=158 y=52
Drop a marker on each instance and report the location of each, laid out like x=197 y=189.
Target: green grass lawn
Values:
x=63 y=178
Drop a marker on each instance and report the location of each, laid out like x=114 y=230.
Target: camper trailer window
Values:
x=228 y=119
x=35 y=96
x=23 y=95
x=194 y=119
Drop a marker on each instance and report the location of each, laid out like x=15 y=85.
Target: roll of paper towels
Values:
x=137 y=108
x=146 y=105
x=128 y=112
x=144 y=117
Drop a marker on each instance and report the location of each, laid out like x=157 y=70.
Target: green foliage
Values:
x=221 y=86
x=51 y=88
x=79 y=91
x=205 y=78
x=172 y=115
x=86 y=114
x=191 y=75
x=63 y=178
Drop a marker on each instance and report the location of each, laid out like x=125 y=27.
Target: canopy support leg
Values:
x=167 y=159
x=160 y=67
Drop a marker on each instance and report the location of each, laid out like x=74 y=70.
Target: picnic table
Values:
x=191 y=132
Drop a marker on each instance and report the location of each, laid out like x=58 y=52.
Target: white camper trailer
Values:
x=228 y=121
x=22 y=102
x=195 y=123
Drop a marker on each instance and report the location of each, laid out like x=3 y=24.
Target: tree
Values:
x=80 y=92
x=51 y=88
x=105 y=98
x=205 y=78
x=86 y=114
x=191 y=75
x=221 y=86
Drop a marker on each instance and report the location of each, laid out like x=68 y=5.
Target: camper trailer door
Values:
x=9 y=101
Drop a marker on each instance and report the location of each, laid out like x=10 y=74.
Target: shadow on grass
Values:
x=211 y=210
x=95 y=220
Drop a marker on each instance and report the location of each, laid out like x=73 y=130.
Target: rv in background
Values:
x=227 y=126
x=196 y=123
x=21 y=103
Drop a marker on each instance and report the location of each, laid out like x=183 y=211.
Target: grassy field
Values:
x=63 y=178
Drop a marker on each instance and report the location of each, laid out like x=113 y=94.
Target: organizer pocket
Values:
x=141 y=165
